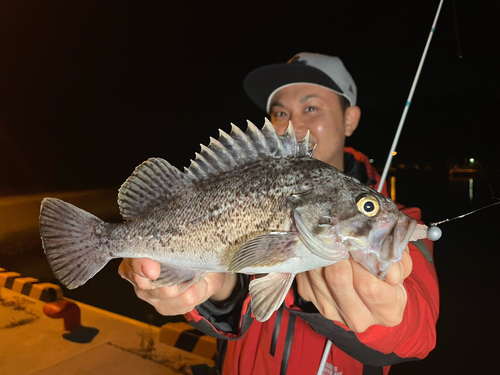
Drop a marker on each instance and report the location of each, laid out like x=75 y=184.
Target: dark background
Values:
x=90 y=89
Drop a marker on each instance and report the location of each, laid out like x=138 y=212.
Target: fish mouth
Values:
x=397 y=240
x=404 y=229
x=382 y=257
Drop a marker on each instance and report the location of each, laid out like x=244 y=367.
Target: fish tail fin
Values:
x=69 y=240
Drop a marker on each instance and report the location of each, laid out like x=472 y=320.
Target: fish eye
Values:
x=368 y=205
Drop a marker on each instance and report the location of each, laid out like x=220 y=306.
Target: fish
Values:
x=251 y=202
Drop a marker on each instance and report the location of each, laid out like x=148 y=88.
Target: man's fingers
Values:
x=127 y=272
x=407 y=263
x=341 y=280
x=312 y=286
x=349 y=293
x=145 y=267
x=168 y=302
x=400 y=270
x=148 y=267
x=140 y=272
x=339 y=275
x=383 y=301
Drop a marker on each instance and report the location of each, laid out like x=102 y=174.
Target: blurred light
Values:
x=471 y=160
x=371 y=161
x=471 y=189
x=394 y=153
x=393 y=188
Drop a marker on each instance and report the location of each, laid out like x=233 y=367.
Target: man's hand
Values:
x=348 y=293
x=166 y=300
x=345 y=292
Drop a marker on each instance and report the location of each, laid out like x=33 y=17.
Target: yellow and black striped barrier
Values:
x=183 y=336
x=29 y=286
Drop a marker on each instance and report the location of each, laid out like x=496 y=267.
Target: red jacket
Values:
x=292 y=341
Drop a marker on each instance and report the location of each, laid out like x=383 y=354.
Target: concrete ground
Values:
x=32 y=343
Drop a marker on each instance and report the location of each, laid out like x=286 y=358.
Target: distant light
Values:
x=471 y=160
x=471 y=189
x=394 y=153
x=371 y=161
x=393 y=188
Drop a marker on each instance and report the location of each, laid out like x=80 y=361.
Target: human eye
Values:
x=279 y=114
x=310 y=108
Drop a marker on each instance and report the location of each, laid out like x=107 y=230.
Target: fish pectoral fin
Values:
x=315 y=243
x=183 y=278
x=264 y=251
x=268 y=293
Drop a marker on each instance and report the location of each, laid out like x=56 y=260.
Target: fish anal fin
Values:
x=170 y=276
x=268 y=293
x=264 y=251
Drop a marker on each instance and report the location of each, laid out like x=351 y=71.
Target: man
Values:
x=372 y=323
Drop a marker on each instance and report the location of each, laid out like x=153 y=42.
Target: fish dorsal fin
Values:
x=152 y=181
x=244 y=148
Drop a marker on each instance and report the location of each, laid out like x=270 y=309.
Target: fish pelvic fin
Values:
x=240 y=148
x=266 y=250
x=151 y=182
x=268 y=293
x=69 y=239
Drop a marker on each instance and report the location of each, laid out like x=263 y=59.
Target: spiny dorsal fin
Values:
x=303 y=146
x=156 y=180
x=273 y=139
x=243 y=148
x=153 y=180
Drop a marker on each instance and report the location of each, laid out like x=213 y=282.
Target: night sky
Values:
x=90 y=89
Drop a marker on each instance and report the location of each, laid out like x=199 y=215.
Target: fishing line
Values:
x=466 y=214
x=490 y=187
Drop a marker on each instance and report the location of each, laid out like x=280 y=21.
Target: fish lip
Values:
x=409 y=231
x=396 y=241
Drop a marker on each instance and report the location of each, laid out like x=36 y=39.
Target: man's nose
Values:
x=299 y=127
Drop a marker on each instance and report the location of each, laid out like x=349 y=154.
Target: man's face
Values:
x=317 y=109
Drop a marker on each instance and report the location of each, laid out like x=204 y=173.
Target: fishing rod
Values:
x=433 y=233
x=408 y=101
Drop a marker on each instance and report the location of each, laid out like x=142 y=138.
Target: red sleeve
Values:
x=415 y=336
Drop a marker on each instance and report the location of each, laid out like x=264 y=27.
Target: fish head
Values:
x=373 y=230
x=354 y=219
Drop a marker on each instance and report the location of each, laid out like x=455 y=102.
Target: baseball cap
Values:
x=328 y=71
